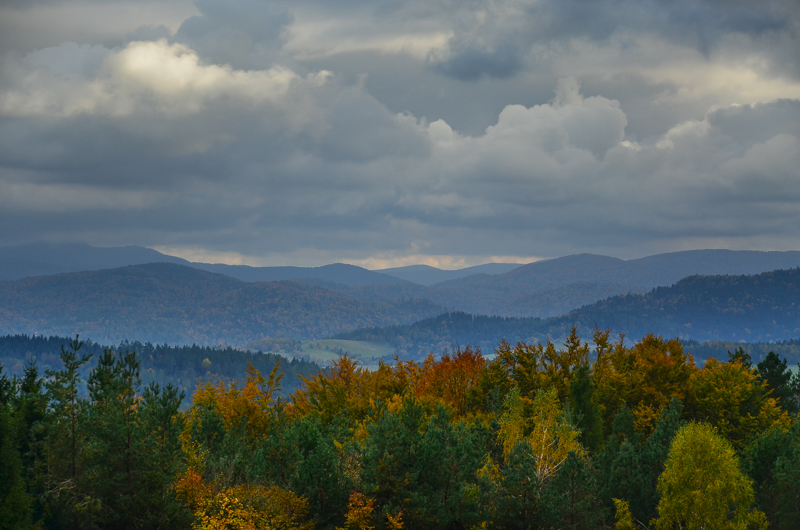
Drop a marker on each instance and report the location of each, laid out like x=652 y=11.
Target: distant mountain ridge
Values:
x=43 y=259
x=543 y=288
x=427 y=275
x=753 y=308
x=177 y=304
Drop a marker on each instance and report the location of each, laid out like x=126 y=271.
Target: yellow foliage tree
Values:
x=623 y=516
x=535 y=366
x=702 y=486
x=346 y=388
x=250 y=403
x=731 y=397
x=645 y=377
x=542 y=424
x=242 y=507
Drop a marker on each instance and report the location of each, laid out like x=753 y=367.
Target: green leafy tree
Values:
x=702 y=486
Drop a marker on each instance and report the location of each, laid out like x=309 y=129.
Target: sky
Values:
x=393 y=132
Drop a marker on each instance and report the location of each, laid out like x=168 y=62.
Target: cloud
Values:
x=155 y=146
x=242 y=33
x=389 y=131
x=501 y=38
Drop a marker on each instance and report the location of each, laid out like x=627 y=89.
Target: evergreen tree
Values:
x=570 y=498
x=787 y=475
x=774 y=371
x=585 y=410
x=30 y=416
x=511 y=493
x=15 y=504
x=66 y=483
x=318 y=472
x=760 y=463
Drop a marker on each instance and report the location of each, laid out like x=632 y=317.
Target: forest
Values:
x=182 y=366
x=595 y=434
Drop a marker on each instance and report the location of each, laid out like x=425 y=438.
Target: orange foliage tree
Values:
x=250 y=403
x=346 y=388
x=450 y=379
x=645 y=377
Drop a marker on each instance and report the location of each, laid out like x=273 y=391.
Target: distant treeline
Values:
x=758 y=351
x=443 y=332
x=183 y=366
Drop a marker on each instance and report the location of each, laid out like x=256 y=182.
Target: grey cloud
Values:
x=326 y=167
x=470 y=63
x=231 y=151
x=243 y=33
x=499 y=42
x=148 y=32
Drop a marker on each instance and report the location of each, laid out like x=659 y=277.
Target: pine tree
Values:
x=15 y=504
x=570 y=499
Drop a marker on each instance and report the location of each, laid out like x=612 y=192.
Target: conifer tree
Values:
x=15 y=504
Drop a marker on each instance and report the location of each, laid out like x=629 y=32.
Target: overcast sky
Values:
x=391 y=132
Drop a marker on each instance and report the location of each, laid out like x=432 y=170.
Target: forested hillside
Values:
x=588 y=436
x=182 y=366
x=168 y=303
x=763 y=307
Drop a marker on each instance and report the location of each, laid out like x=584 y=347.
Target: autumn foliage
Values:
x=596 y=434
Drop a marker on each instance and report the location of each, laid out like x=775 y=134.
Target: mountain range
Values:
x=749 y=308
x=556 y=286
x=177 y=304
x=540 y=289
x=40 y=259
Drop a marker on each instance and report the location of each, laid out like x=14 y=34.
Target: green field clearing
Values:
x=325 y=351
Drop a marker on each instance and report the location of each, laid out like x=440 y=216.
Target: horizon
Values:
x=405 y=262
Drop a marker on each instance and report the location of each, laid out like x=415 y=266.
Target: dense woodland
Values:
x=595 y=435
x=182 y=366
